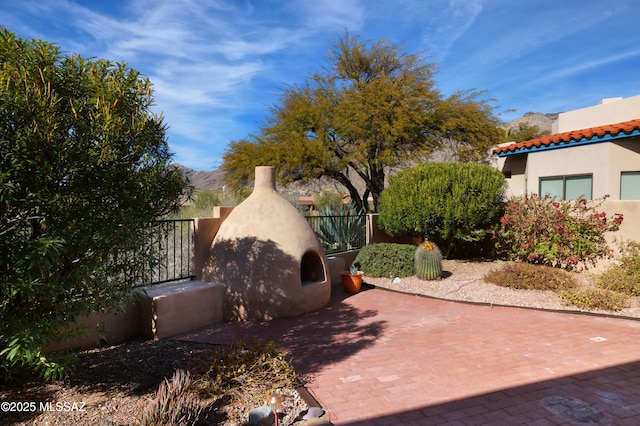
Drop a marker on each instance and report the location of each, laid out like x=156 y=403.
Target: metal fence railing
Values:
x=339 y=233
x=172 y=243
x=173 y=246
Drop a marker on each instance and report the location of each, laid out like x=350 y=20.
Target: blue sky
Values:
x=217 y=65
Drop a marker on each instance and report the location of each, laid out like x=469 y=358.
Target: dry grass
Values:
x=524 y=276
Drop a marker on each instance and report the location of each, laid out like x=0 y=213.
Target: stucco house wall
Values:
x=610 y=110
x=602 y=141
x=605 y=161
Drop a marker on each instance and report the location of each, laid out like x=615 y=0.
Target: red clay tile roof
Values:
x=569 y=138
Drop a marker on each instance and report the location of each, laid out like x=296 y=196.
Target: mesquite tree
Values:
x=373 y=108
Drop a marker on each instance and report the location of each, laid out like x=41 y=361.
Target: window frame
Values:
x=628 y=172
x=564 y=184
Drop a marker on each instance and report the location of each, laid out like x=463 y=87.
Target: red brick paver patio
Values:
x=386 y=358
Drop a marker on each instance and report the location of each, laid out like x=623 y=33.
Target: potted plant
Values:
x=352 y=279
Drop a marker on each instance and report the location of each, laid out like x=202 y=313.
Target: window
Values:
x=630 y=186
x=567 y=187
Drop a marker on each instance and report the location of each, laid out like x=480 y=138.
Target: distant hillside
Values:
x=201 y=179
x=213 y=180
x=538 y=119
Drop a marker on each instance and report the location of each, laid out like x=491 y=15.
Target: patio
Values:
x=387 y=358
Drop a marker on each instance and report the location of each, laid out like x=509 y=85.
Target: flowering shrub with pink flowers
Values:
x=562 y=234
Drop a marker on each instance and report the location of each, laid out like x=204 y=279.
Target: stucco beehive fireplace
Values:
x=268 y=257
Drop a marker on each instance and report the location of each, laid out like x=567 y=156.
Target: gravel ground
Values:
x=464 y=281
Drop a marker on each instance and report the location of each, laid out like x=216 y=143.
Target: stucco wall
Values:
x=590 y=159
x=605 y=161
x=609 y=111
x=630 y=228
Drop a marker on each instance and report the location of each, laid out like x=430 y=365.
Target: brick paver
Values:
x=386 y=358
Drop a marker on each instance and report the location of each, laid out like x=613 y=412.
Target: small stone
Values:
x=313 y=412
x=259 y=414
x=396 y=280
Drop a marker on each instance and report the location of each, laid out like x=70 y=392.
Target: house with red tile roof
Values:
x=593 y=152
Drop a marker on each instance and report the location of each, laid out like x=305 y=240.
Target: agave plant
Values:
x=173 y=404
x=339 y=229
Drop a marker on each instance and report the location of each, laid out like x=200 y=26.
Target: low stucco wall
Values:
x=205 y=230
x=179 y=308
x=104 y=329
x=156 y=313
x=376 y=235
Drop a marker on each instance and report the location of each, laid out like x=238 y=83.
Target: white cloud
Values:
x=217 y=64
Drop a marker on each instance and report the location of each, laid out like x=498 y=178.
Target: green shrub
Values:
x=562 y=234
x=523 y=276
x=84 y=168
x=617 y=279
x=595 y=299
x=386 y=260
x=328 y=200
x=451 y=204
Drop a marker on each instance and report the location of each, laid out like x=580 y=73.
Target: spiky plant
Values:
x=173 y=404
x=428 y=261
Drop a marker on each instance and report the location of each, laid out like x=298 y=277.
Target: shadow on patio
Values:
x=607 y=396
x=315 y=340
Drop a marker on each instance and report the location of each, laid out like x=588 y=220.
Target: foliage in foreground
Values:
x=561 y=234
x=451 y=204
x=524 y=276
x=84 y=168
x=387 y=260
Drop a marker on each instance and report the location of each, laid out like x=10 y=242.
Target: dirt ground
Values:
x=113 y=386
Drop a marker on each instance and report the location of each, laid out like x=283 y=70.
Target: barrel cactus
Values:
x=428 y=261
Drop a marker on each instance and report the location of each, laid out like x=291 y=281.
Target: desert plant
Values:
x=428 y=261
x=617 y=279
x=387 y=260
x=524 y=276
x=630 y=259
x=173 y=404
x=452 y=204
x=371 y=108
x=340 y=228
x=561 y=234
x=595 y=299
x=354 y=269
